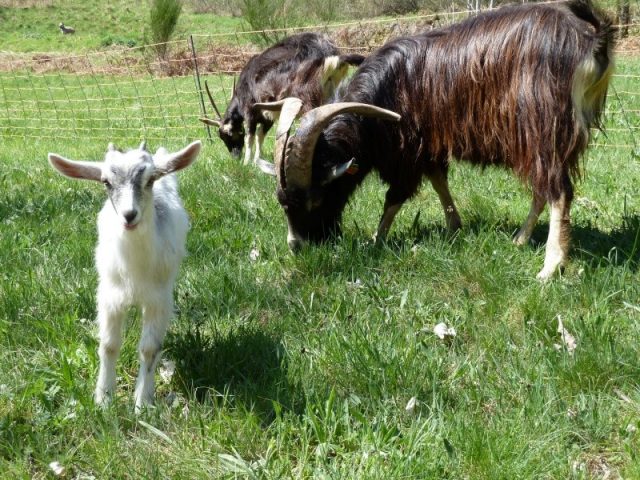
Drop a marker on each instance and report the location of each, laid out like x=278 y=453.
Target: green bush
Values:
x=108 y=41
x=164 y=16
x=266 y=15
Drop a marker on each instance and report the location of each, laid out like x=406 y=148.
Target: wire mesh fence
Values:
x=129 y=94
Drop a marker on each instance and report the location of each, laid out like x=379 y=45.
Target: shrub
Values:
x=397 y=7
x=109 y=41
x=164 y=16
x=264 y=15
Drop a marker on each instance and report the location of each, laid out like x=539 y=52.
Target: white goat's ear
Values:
x=173 y=162
x=75 y=169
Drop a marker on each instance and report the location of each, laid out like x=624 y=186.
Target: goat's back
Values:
x=499 y=88
x=279 y=64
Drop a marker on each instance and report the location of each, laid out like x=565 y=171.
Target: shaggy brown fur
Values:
x=520 y=86
x=496 y=89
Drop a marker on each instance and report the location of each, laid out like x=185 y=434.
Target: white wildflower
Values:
x=568 y=340
x=166 y=370
x=57 y=469
x=411 y=405
x=442 y=331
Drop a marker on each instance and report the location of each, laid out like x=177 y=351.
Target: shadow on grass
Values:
x=245 y=363
x=620 y=247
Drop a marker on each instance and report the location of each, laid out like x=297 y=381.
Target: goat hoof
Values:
x=544 y=275
x=102 y=399
x=547 y=274
x=142 y=407
x=521 y=241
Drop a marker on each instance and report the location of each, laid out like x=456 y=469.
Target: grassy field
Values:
x=98 y=25
x=302 y=366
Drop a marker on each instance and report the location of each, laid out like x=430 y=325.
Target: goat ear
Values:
x=173 y=162
x=349 y=167
x=74 y=169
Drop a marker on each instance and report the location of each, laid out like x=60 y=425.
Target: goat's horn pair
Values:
x=208 y=121
x=297 y=155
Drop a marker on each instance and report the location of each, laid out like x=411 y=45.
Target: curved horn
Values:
x=213 y=103
x=271 y=106
x=299 y=161
x=208 y=121
x=289 y=109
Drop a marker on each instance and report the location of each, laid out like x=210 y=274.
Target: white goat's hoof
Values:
x=545 y=275
x=102 y=398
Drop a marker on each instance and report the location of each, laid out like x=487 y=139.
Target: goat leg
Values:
x=558 y=240
x=259 y=142
x=155 y=320
x=441 y=186
x=524 y=234
x=392 y=203
x=110 y=319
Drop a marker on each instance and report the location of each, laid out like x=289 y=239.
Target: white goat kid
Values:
x=142 y=230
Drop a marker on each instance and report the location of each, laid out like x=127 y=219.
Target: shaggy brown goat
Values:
x=520 y=86
x=306 y=65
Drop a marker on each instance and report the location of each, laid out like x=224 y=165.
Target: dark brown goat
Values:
x=307 y=66
x=520 y=86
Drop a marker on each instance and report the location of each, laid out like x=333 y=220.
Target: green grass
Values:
x=301 y=366
x=98 y=25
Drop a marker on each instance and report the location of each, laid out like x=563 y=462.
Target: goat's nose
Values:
x=130 y=215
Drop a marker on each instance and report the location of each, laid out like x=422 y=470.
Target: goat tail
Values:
x=592 y=77
x=605 y=31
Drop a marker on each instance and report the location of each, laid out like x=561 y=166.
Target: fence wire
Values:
x=126 y=95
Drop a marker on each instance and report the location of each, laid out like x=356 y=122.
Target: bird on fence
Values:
x=66 y=30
